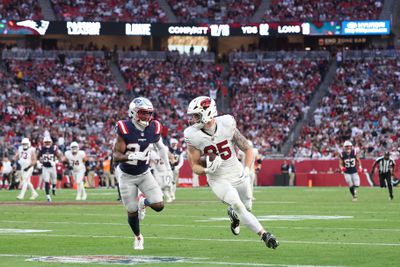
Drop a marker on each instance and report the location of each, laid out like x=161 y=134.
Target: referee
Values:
x=386 y=171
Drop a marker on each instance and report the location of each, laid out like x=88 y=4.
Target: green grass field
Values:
x=194 y=230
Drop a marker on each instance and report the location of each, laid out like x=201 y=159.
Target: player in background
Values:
x=161 y=174
x=76 y=159
x=48 y=155
x=252 y=174
x=6 y=171
x=176 y=161
x=132 y=154
x=26 y=157
x=386 y=167
x=348 y=162
x=226 y=176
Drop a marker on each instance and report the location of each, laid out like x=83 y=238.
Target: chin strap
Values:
x=139 y=125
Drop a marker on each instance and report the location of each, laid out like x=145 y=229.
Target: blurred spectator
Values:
x=228 y=11
x=20 y=10
x=323 y=10
x=362 y=105
x=115 y=10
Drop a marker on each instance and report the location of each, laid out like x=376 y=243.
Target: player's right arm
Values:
x=341 y=165
x=194 y=160
x=119 y=150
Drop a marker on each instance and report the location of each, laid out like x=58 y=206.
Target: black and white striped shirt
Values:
x=385 y=165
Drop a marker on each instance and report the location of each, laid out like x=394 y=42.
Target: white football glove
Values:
x=212 y=166
x=136 y=156
x=246 y=172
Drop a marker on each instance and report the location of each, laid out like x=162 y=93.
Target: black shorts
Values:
x=59 y=176
x=385 y=177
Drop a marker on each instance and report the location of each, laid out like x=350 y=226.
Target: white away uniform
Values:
x=161 y=174
x=252 y=170
x=78 y=171
x=230 y=174
x=25 y=160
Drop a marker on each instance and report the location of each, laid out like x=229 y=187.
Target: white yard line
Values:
x=210 y=239
x=205 y=226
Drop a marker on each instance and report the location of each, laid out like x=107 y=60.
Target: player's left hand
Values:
x=360 y=169
x=246 y=172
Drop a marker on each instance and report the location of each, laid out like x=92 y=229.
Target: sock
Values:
x=54 y=189
x=133 y=221
x=119 y=192
x=47 y=188
x=351 y=188
x=390 y=188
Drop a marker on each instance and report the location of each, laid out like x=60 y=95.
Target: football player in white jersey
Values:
x=176 y=160
x=26 y=157
x=226 y=176
x=77 y=159
x=252 y=174
x=162 y=174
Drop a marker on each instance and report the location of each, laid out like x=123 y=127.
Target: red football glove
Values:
x=343 y=169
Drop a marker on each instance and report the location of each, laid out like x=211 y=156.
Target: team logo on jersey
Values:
x=120 y=260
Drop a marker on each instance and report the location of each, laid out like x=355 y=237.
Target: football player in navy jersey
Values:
x=347 y=164
x=131 y=152
x=48 y=154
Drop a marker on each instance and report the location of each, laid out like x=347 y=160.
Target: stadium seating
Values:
x=270 y=96
x=362 y=106
x=229 y=11
x=20 y=9
x=80 y=99
x=170 y=82
x=116 y=10
x=326 y=10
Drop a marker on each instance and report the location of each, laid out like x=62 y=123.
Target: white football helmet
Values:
x=203 y=109
x=347 y=146
x=141 y=111
x=174 y=143
x=47 y=141
x=74 y=146
x=25 y=143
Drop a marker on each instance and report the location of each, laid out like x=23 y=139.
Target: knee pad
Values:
x=158 y=207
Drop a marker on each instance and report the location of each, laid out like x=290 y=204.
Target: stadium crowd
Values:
x=326 y=10
x=116 y=10
x=362 y=105
x=20 y=9
x=170 y=84
x=79 y=101
x=268 y=98
x=228 y=11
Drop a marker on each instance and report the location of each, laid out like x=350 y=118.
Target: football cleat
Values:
x=48 y=198
x=84 y=196
x=141 y=207
x=20 y=197
x=235 y=222
x=34 y=196
x=138 y=243
x=270 y=240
